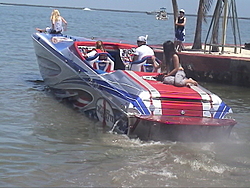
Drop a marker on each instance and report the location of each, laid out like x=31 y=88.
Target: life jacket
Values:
x=99 y=51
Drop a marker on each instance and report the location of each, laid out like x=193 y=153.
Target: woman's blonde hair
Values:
x=55 y=15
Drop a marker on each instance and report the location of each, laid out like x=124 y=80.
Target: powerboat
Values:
x=162 y=14
x=125 y=96
x=152 y=12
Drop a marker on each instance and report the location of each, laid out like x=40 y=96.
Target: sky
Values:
x=190 y=6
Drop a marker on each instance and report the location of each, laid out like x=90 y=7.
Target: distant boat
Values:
x=152 y=12
x=88 y=9
x=162 y=14
x=3 y=4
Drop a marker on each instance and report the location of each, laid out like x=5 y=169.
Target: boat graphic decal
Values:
x=222 y=111
x=134 y=99
x=59 y=55
x=105 y=113
x=153 y=92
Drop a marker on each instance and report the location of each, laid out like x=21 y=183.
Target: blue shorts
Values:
x=180 y=34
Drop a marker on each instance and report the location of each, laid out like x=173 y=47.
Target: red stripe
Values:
x=183 y=98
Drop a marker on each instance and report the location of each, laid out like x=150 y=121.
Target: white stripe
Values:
x=154 y=92
x=223 y=112
x=205 y=96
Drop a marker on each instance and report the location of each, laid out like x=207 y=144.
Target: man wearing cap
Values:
x=180 y=30
x=143 y=49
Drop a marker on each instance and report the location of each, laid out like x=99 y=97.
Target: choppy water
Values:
x=44 y=143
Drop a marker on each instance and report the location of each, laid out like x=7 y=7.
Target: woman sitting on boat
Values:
x=99 y=48
x=58 y=24
x=171 y=62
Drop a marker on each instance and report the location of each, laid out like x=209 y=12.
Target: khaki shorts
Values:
x=177 y=80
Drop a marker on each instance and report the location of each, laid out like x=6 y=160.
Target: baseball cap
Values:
x=182 y=10
x=142 y=39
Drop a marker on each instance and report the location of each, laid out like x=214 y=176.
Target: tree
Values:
x=203 y=9
x=215 y=32
x=175 y=10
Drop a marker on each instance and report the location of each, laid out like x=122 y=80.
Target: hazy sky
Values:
x=136 y=5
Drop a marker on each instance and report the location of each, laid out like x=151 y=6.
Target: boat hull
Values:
x=183 y=129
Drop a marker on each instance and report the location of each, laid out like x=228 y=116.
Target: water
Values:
x=45 y=143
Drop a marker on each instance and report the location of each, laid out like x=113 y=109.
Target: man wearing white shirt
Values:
x=143 y=49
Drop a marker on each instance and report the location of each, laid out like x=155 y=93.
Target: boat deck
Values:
x=229 y=51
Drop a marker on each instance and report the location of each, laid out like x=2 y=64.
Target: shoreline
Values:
x=96 y=9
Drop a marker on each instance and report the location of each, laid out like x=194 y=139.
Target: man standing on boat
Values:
x=143 y=49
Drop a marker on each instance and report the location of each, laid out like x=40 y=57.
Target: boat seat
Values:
x=144 y=65
x=102 y=61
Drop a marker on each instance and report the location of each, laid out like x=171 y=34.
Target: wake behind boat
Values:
x=124 y=95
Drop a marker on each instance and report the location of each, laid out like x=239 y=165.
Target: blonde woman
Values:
x=59 y=24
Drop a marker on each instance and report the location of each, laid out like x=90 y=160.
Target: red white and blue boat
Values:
x=128 y=100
